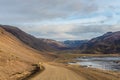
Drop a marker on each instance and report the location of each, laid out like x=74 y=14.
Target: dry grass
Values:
x=16 y=58
x=95 y=74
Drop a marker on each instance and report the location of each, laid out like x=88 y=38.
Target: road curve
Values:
x=57 y=73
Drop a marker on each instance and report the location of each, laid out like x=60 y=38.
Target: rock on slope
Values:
x=16 y=58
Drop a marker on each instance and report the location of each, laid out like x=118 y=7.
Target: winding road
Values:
x=52 y=72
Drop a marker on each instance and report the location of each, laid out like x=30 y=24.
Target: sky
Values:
x=62 y=19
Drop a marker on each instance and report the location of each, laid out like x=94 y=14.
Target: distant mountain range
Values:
x=107 y=43
x=74 y=43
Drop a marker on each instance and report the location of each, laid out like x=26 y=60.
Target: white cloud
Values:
x=62 y=19
x=71 y=31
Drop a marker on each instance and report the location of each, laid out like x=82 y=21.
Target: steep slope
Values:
x=27 y=38
x=36 y=43
x=16 y=59
x=107 y=43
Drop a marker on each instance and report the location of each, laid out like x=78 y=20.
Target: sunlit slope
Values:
x=15 y=57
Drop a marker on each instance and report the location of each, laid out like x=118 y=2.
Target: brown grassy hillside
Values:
x=16 y=59
x=36 y=43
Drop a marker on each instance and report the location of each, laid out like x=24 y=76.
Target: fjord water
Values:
x=105 y=63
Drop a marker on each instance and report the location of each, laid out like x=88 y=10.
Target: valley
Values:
x=25 y=57
x=59 y=39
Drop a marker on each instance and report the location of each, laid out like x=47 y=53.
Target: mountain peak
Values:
x=108 y=33
x=107 y=43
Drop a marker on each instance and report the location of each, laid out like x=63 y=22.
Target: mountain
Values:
x=55 y=44
x=36 y=43
x=74 y=43
x=107 y=43
x=16 y=58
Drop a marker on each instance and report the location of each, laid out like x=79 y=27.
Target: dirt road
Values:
x=57 y=73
